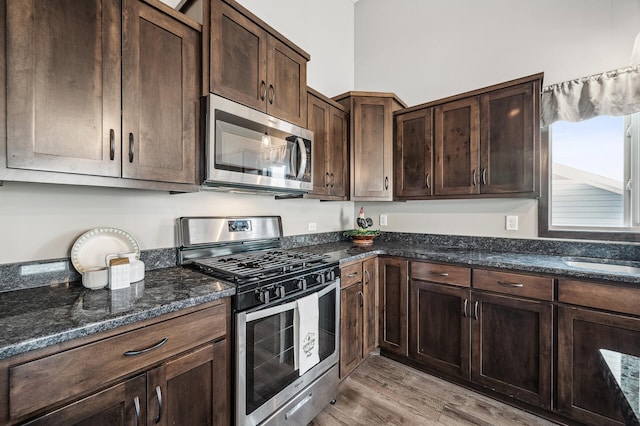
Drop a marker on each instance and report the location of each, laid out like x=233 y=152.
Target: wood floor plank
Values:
x=385 y=392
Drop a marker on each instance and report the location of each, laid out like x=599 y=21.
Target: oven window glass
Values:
x=271 y=353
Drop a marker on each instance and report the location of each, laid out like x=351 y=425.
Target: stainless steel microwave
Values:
x=250 y=151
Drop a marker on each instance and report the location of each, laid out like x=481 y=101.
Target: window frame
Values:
x=544 y=206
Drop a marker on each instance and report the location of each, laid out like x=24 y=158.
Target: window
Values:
x=591 y=157
x=593 y=176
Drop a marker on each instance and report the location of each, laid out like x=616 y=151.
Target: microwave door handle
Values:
x=303 y=158
x=293 y=169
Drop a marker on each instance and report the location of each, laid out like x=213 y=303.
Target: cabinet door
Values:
x=393 y=315
x=122 y=404
x=191 y=389
x=456 y=145
x=507 y=141
x=583 y=391
x=63 y=86
x=160 y=96
x=287 y=83
x=338 y=157
x=238 y=55
x=318 y=123
x=511 y=347
x=413 y=154
x=372 y=149
x=351 y=313
x=439 y=329
x=370 y=290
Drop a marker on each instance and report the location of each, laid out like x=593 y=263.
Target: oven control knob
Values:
x=302 y=284
x=280 y=292
x=319 y=278
x=263 y=295
x=330 y=275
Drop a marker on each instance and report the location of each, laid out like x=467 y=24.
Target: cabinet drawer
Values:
x=601 y=296
x=444 y=274
x=515 y=284
x=351 y=274
x=90 y=367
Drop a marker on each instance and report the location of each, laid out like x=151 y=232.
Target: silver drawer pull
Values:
x=351 y=275
x=142 y=351
x=289 y=414
x=508 y=284
x=439 y=274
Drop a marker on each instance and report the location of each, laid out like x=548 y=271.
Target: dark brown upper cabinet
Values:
x=328 y=121
x=413 y=155
x=160 y=95
x=102 y=90
x=483 y=143
x=371 y=141
x=457 y=147
x=253 y=64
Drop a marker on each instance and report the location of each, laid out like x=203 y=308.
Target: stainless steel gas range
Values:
x=271 y=283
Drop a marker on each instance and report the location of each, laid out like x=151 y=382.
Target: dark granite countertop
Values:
x=622 y=371
x=39 y=317
x=522 y=262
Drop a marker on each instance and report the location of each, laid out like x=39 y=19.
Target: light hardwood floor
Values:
x=385 y=392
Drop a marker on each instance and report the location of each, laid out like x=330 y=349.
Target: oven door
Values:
x=266 y=376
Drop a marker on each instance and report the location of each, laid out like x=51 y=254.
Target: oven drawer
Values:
x=86 y=368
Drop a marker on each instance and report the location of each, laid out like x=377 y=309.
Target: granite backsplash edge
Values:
x=23 y=275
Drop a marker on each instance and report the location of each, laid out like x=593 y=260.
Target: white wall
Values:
x=428 y=50
x=42 y=221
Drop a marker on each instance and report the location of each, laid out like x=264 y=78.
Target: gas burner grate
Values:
x=260 y=264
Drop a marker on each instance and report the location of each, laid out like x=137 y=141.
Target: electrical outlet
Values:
x=383 y=220
x=313 y=226
x=511 y=223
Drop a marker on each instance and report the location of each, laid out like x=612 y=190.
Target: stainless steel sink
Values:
x=604 y=265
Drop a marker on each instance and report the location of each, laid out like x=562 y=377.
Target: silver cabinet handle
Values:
x=272 y=94
x=366 y=272
x=475 y=310
x=112 y=144
x=484 y=176
x=508 y=284
x=263 y=90
x=428 y=181
x=361 y=294
x=351 y=275
x=326 y=180
x=474 y=177
x=150 y=348
x=131 y=148
x=136 y=405
x=439 y=274
x=159 y=399
x=464 y=308
x=333 y=180
x=386 y=182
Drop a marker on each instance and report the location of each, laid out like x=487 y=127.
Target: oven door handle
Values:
x=262 y=312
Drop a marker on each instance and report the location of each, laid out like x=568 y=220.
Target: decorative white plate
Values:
x=91 y=248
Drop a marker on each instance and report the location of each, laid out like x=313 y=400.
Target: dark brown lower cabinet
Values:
x=393 y=299
x=439 y=332
x=583 y=392
x=351 y=317
x=511 y=346
x=113 y=406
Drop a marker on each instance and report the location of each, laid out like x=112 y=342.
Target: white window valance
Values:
x=612 y=93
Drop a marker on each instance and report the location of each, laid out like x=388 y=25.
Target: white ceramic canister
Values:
x=136 y=267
